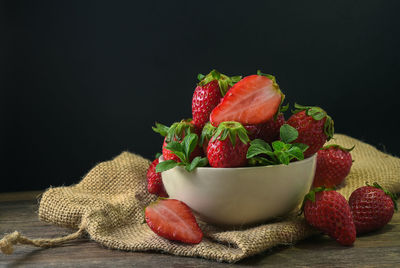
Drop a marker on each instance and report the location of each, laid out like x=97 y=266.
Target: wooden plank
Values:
x=381 y=248
x=18 y=196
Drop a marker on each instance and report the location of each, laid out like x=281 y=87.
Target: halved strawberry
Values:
x=173 y=220
x=253 y=100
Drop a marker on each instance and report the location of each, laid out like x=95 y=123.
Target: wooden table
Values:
x=18 y=212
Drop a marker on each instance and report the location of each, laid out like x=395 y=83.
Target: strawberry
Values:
x=154 y=181
x=253 y=100
x=333 y=165
x=329 y=212
x=270 y=129
x=173 y=220
x=167 y=154
x=314 y=125
x=372 y=207
x=228 y=152
x=208 y=94
x=176 y=132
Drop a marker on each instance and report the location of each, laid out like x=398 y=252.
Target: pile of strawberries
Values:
x=239 y=122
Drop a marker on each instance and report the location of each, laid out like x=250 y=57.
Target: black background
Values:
x=82 y=81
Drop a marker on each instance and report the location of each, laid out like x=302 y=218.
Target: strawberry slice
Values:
x=253 y=100
x=173 y=220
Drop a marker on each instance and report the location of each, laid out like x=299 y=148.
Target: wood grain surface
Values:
x=18 y=211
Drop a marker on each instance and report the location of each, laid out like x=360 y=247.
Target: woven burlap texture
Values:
x=109 y=202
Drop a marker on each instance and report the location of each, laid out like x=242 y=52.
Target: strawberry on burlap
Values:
x=107 y=205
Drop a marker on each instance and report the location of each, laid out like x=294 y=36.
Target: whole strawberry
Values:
x=270 y=129
x=329 y=212
x=154 y=180
x=228 y=147
x=314 y=125
x=372 y=207
x=333 y=165
x=173 y=220
x=208 y=95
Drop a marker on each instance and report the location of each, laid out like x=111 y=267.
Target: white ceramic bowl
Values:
x=237 y=196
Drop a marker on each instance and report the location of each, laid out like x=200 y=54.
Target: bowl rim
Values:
x=310 y=158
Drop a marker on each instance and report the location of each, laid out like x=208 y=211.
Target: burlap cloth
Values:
x=108 y=206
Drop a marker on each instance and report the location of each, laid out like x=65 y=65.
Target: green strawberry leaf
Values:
x=270 y=76
x=284 y=108
x=316 y=113
x=200 y=77
x=390 y=194
x=198 y=161
x=158 y=155
x=189 y=144
x=207 y=133
x=235 y=79
x=161 y=129
x=215 y=74
x=166 y=165
x=288 y=133
x=257 y=147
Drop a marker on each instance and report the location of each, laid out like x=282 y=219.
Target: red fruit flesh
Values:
x=331 y=214
x=205 y=99
x=253 y=100
x=333 y=166
x=371 y=208
x=173 y=220
x=222 y=154
x=154 y=181
x=311 y=132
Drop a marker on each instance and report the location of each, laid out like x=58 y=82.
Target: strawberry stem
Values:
x=317 y=114
x=224 y=82
x=338 y=147
x=311 y=196
x=233 y=130
x=392 y=196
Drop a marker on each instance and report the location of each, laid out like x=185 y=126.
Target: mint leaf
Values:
x=198 y=161
x=177 y=149
x=158 y=155
x=166 y=165
x=303 y=147
x=283 y=158
x=278 y=146
x=257 y=147
x=260 y=161
x=295 y=152
x=161 y=129
x=288 y=133
x=189 y=143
